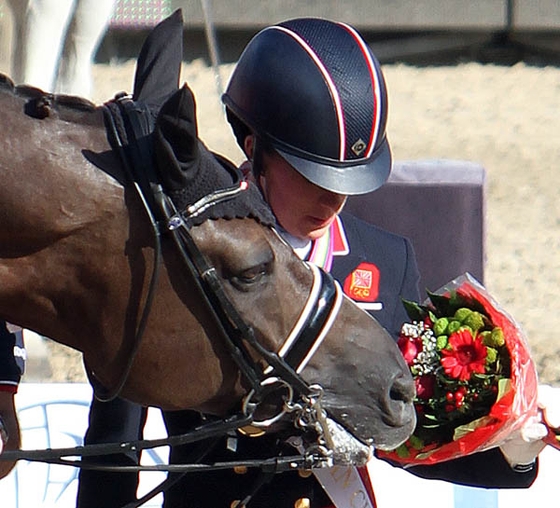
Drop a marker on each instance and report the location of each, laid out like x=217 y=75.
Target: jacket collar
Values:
x=332 y=243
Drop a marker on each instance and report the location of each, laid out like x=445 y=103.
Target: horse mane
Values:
x=40 y=104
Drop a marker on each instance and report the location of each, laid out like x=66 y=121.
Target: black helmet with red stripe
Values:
x=313 y=90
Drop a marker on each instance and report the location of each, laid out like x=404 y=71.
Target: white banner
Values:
x=55 y=416
x=346 y=487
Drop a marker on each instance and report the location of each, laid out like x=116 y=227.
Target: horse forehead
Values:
x=234 y=240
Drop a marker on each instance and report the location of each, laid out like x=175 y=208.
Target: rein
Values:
x=318 y=314
x=285 y=366
x=306 y=336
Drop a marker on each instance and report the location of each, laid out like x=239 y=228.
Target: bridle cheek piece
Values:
x=301 y=401
x=312 y=326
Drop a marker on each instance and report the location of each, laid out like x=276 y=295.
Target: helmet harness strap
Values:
x=257 y=157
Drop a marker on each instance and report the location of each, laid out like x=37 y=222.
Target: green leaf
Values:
x=456 y=301
x=416 y=442
x=440 y=303
x=504 y=386
x=414 y=310
x=402 y=452
x=431 y=427
x=481 y=377
x=425 y=455
x=430 y=417
x=463 y=430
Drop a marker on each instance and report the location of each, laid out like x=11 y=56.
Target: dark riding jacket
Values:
x=376 y=269
x=12 y=358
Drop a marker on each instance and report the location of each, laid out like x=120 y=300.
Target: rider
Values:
x=308 y=106
x=12 y=365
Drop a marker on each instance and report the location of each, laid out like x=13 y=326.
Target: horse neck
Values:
x=62 y=217
x=55 y=254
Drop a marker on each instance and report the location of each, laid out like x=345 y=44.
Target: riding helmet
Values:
x=312 y=89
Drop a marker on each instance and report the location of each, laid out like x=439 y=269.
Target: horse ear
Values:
x=159 y=63
x=176 y=149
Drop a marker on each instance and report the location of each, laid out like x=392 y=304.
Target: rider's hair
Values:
x=241 y=131
x=239 y=128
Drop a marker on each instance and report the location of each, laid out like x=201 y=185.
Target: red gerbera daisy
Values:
x=467 y=355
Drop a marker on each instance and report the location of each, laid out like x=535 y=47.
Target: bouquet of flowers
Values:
x=475 y=380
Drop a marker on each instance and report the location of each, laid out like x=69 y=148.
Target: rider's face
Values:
x=302 y=209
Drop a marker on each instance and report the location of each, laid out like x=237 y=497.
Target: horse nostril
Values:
x=400 y=409
x=402 y=389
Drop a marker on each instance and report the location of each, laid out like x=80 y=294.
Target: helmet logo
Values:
x=358 y=147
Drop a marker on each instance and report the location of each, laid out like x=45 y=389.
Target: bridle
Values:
x=301 y=401
x=283 y=370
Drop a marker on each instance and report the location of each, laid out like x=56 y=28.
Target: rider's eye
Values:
x=246 y=280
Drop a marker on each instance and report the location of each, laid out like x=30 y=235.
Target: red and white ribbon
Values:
x=347 y=486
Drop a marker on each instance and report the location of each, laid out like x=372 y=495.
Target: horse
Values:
x=79 y=250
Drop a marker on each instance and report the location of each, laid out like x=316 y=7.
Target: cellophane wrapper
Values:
x=511 y=410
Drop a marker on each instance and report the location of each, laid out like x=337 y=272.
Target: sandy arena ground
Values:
x=505 y=118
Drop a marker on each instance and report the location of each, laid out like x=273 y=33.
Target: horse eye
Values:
x=248 y=279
